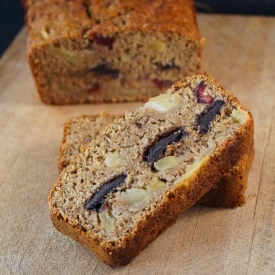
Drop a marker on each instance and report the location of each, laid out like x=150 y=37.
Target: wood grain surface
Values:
x=240 y=54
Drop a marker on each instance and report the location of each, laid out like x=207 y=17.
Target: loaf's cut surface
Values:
x=144 y=169
x=229 y=191
x=110 y=51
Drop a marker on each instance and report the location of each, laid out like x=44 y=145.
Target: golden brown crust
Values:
x=78 y=234
x=230 y=190
x=165 y=16
x=77 y=19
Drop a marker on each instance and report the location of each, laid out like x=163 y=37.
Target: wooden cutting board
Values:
x=240 y=54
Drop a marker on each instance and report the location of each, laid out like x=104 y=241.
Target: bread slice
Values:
x=78 y=132
x=227 y=192
x=110 y=51
x=144 y=169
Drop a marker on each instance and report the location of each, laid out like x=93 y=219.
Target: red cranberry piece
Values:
x=104 y=41
x=161 y=84
x=95 y=88
x=201 y=95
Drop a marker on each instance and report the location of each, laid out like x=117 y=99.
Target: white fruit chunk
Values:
x=134 y=198
x=155 y=185
x=239 y=116
x=108 y=222
x=157 y=46
x=163 y=102
x=166 y=162
x=45 y=33
x=114 y=159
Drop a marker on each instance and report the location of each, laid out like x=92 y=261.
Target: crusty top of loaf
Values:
x=81 y=18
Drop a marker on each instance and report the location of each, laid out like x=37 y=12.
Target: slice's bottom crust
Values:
x=145 y=234
x=81 y=236
x=185 y=194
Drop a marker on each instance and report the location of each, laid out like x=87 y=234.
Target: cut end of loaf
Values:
x=100 y=51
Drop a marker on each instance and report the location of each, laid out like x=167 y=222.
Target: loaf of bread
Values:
x=95 y=51
x=227 y=192
x=132 y=182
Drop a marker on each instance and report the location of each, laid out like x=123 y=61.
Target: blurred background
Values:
x=12 y=13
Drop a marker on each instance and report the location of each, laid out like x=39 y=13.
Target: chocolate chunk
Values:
x=157 y=150
x=96 y=201
x=208 y=115
x=105 y=69
x=202 y=97
x=166 y=67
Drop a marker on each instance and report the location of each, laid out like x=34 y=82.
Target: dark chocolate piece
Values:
x=158 y=148
x=166 y=67
x=208 y=115
x=96 y=201
x=105 y=69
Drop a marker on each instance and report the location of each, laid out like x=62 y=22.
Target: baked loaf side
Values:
x=227 y=192
x=144 y=169
x=110 y=51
